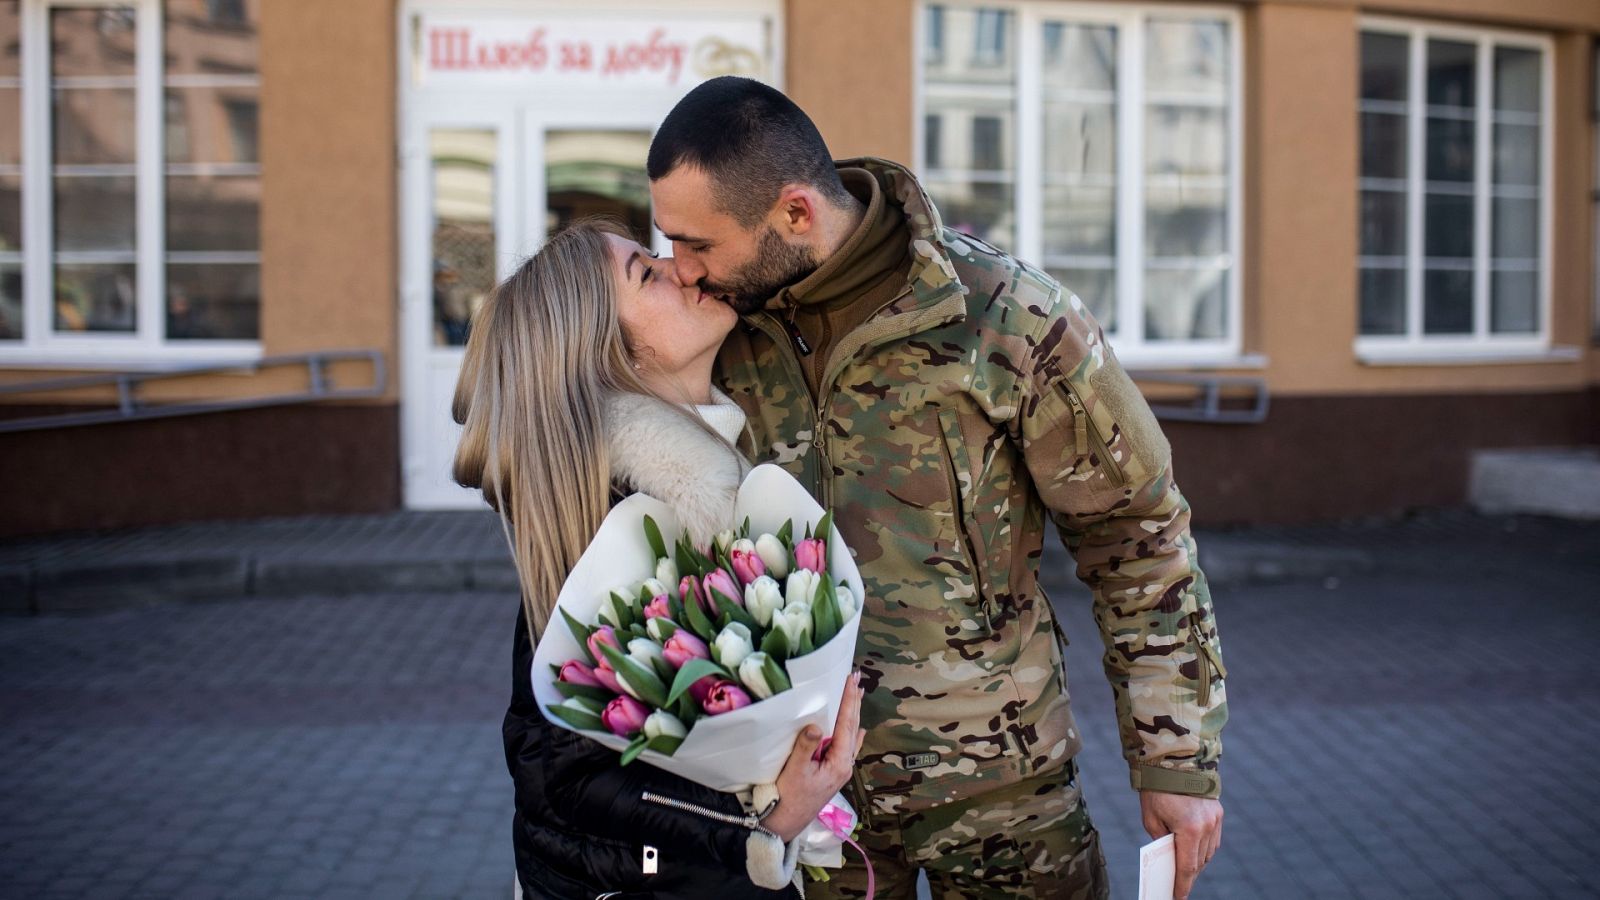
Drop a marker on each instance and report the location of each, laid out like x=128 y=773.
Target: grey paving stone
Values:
x=346 y=739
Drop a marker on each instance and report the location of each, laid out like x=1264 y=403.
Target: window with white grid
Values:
x=1102 y=143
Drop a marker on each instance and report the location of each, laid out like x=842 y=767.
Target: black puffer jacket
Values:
x=582 y=822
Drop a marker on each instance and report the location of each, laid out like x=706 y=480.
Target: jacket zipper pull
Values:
x=650 y=855
x=799 y=339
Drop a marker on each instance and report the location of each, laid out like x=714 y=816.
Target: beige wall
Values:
x=849 y=65
x=329 y=217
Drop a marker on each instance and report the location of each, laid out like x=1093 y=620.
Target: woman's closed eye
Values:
x=649 y=271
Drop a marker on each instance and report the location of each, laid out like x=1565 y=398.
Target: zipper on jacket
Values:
x=958 y=510
x=748 y=821
x=795 y=334
x=1206 y=661
x=1089 y=437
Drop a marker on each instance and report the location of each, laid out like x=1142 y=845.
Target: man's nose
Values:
x=689 y=269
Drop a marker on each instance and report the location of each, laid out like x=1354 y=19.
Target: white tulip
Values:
x=608 y=612
x=753 y=673
x=762 y=598
x=644 y=651
x=723 y=540
x=847 y=603
x=656 y=629
x=662 y=723
x=744 y=544
x=732 y=645
x=773 y=555
x=802 y=587
x=656 y=587
x=795 y=623
x=667 y=572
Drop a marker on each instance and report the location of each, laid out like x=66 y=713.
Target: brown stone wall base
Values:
x=288 y=460
x=1324 y=458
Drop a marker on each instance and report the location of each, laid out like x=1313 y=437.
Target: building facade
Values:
x=1381 y=214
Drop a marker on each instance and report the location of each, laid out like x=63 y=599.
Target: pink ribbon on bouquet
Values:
x=839 y=820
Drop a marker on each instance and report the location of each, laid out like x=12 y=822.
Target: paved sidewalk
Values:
x=408 y=551
x=1411 y=728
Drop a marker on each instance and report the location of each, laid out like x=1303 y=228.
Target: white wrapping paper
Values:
x=748 y=746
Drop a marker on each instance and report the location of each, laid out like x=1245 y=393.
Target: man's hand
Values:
x=1196 y=824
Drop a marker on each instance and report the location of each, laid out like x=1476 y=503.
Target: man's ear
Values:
x=796 y=211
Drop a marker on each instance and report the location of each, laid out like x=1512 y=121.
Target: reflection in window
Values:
x=92 y=89
x=932 y=136
x=1450 y=285
x=1167 y=271
x=598 y=173
x=463 y=207
x=212 y=181
x=971 y=173
x=10 y=171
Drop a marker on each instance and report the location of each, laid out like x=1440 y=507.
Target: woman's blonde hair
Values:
x=546 y=350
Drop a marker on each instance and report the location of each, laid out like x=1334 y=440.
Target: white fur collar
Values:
x=656 y=451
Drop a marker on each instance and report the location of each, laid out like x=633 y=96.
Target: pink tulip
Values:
x=608 y=679
x=602 y=670
x=682 y=647
x=658 y=608
x=747 y=565
x=724 y=697
x=701 y=688
x=574 y=672
x=689 y=589
x=721 y=582
x=624 y=716
x=812 y=554
x=602 y=635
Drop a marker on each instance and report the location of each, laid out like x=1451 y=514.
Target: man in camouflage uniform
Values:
x=942 y=398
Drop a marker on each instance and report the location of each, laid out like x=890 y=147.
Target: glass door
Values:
x=461 y=237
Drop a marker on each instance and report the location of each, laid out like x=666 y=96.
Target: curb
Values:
x=88 y=587
x=93 y=587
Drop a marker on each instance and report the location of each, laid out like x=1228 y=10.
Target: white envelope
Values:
x=1158 y=869
x=748 y=746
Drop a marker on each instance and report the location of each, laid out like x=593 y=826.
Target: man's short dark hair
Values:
x=750 y=140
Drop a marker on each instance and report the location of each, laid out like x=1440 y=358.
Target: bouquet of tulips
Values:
x=708 y=661
x=644 y=676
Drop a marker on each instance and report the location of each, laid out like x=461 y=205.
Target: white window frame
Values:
x=147 y=346
x=1414 y=347
x=1132 y=348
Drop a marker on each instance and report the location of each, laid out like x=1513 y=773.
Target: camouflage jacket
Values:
x=949 y=424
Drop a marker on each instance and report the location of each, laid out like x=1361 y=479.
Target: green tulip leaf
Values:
x=652 y=533
x=635 y=747
x=584 y=721
x=664 y=744
x=582 y=633
x=699 y=623
x=734 y=612
x=776 y=644
x=636 y=676
x=585 y=691
x=777 y=679
x=692 y=671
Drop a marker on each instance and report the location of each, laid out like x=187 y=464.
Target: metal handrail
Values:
x=131 y=408
x=1207 y=406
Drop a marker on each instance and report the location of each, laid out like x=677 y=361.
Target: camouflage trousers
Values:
x=1032 y=839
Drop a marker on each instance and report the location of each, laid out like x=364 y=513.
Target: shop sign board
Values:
x=485 y=50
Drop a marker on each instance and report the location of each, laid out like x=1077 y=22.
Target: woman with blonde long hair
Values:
x=587 y=376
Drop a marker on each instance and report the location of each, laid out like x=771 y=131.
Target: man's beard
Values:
x=776 y=265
